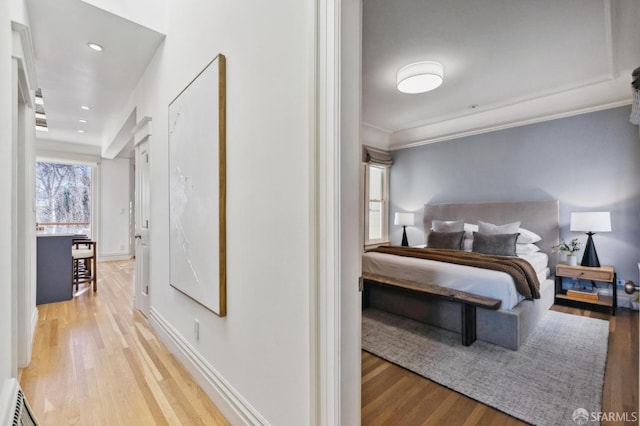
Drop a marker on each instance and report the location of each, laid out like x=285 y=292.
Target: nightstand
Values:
x=584 y=298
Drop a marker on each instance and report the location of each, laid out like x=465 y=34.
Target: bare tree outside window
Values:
x=63 y=197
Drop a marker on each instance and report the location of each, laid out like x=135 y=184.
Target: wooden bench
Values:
x=467 y=301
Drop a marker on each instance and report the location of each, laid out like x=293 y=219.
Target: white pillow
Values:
x=490 y=228
x=528 y=237
x=467 y=244
x=526 y=248
x=469 y=229
x=447 y=225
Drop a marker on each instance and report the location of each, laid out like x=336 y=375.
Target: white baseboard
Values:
x=234 y=407
x=624 y=299
x=34 y=323
x=111 y=257
x=31 y=337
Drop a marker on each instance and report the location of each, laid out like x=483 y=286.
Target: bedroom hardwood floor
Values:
x=392 y=395
x=96 y=361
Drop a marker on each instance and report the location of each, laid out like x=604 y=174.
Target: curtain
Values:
x=377 y=156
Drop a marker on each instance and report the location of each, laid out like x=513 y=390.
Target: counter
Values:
x=54 y=268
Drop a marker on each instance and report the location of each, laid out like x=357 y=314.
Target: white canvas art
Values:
x=196 y=188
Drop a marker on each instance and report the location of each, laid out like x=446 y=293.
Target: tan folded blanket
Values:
x=521 y=271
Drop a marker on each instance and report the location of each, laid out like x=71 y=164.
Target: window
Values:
x=376 y=204
x=63 y=197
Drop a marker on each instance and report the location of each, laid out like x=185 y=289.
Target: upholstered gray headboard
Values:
x=541 y=217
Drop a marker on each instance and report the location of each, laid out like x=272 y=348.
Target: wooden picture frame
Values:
x=197 y=188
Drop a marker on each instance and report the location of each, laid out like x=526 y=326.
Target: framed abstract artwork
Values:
x=197 y=188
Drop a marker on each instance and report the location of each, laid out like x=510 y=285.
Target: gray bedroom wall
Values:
x=589 y=162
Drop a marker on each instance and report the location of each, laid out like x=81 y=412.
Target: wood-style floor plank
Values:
x=96 y=361
x=392 y=395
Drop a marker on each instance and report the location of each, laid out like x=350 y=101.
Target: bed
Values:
x=511 y=324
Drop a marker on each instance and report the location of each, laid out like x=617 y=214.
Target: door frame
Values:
x=337 y=221
x=25 y=315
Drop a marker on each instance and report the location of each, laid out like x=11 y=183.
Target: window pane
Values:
x=63 y=194
x=375 y=220
x=375 y=183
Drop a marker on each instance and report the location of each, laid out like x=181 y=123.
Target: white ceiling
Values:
x=70 y=74
x=506 y=62
x=516 y=61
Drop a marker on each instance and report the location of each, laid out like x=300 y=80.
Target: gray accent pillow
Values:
x=445 y=240
x=499 y=244
x=490 y=228
x=447 y=225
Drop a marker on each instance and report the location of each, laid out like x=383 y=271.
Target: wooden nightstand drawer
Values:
x=603 y=273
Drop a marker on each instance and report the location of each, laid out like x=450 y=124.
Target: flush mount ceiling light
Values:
x=80 y=131
x=420 y=77
x=82 y=121
x=84 y=107
x=96 y=47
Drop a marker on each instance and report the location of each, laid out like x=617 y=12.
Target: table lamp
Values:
x=590 y=223
x=404 y=219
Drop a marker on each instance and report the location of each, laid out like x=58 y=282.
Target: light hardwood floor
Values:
x=96 y=361
x=392 y=395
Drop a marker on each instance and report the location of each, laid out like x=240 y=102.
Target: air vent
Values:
x=22 y=415
x=14 y=409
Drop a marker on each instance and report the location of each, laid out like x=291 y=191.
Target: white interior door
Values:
x=142 y=203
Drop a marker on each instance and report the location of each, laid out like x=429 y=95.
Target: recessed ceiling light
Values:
x=82 y=121
x=84 y=107
x=96 y=47
x=419 y=77
x=80 y=131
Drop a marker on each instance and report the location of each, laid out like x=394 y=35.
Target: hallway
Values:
x=96 y=361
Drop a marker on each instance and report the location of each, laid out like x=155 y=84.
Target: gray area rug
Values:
x=557 y=370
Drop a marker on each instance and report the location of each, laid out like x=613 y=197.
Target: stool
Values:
x=85 y=267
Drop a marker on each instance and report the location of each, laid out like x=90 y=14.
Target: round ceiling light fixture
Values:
x=420 y=77
x=96 y=47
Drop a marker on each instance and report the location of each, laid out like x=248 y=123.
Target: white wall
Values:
x=375 y=137
x=149 y=13
x=19 y=11
x=26 y=235
x=114 y=216
x=261 y=350
x=50 y=148
x=6 y=182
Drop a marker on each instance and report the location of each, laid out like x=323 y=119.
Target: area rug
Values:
x=557 y=371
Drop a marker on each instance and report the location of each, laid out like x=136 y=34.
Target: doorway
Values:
x=142 y=215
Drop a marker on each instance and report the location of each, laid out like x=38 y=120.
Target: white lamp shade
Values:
x=405 y=219
x=419 y=77
x=591 y=222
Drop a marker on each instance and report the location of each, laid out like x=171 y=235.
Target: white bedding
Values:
x=539 y=260
x=484 y=282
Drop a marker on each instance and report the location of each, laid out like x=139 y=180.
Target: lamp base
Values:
x=405 y=241
x=590 y=257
